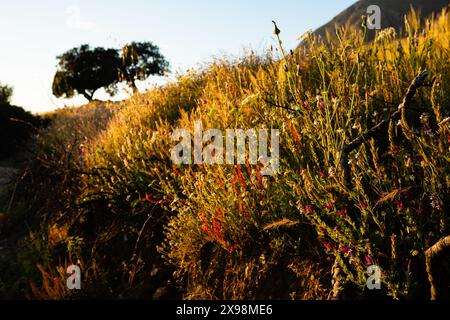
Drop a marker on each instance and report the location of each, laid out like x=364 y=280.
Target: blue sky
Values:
x=188 y=32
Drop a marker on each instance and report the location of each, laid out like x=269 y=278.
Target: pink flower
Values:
x=328 y=246
x=347 y=251
x=309 y=209
x=342 y=213
x=322 y=104
x=363 y=205
x=400 y=205
x=329 y=206
x=323 y=175
x=344 y=249
x=369 y=261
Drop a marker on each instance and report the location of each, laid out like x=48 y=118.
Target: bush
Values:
x=16 y=127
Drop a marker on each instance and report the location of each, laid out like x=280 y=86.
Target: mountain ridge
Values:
x=392 y=13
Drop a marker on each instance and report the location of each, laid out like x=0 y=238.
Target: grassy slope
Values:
x=105 y=194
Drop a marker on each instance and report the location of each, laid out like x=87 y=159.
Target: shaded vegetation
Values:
x=16 y=124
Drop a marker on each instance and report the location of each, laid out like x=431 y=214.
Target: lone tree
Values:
x=141 y=60
x=6 y=93
x=84 y=70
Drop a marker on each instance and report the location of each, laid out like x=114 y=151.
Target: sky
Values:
x=189 y=33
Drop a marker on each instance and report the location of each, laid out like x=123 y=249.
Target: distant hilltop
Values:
x=392 y=13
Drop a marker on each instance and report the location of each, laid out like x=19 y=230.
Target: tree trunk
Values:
x=89 y=96
x=134 y=87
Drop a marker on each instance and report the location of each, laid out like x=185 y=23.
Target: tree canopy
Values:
x=6 y=93
x=84 y=70
x=141 y=60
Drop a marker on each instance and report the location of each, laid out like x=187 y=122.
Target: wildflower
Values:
x=322 y=104
x=260 y=185
x=323 y=175
x=429 y=132
x=369 y=261
x=395 y=149
x=205 y=226
x=329 y=206
x=363 y=205
x=328 y=246
x=309 y=209
x=400 y=204
x=218 y=231
x=295 y=135
x=332 y=172
x=342 y=213
x=240 y=177
x=348 y=251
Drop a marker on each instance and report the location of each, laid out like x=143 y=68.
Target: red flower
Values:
x=309 y=209
x=395 y=149
x=258 y=169
x=329 y=206
x=218 y=232
x=323 y=175
x=400 y=205
x=241 y=179
x=295 y=135
x=328 y=246
x=342 y=213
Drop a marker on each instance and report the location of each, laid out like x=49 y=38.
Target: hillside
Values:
x=392 y=11
x=363 y=182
